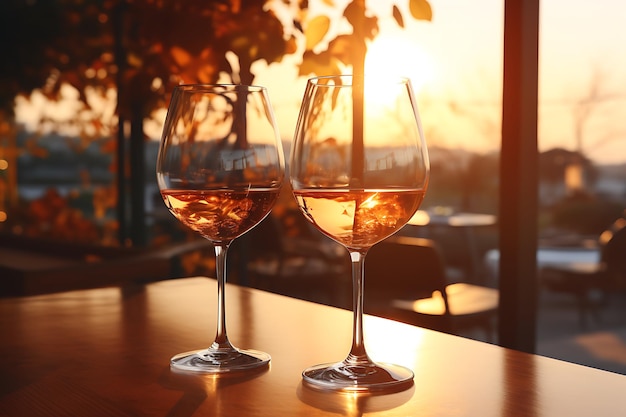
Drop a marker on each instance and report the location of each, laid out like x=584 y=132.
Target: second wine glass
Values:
x=220 y=168
x=359 y=170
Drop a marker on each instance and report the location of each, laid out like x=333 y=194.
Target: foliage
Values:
x=585 y=214
x=55 y=216
x=144 y=47
x=141 y=49
x=348 y=49
x=463 y=181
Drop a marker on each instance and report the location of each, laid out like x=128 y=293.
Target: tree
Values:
x=594 y=101
x=348 y=49
x=142 y=48
x=149 y=46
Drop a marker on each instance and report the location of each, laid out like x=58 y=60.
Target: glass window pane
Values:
x=582 y=139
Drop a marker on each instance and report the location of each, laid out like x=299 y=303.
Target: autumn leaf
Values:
x=322 y=63
x=398 y=16
x=316 y=29
x=180 y=56
x=291 y=46
x=421 y=10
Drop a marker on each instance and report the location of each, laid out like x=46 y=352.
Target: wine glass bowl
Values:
x=220 y=168
x=359 y=170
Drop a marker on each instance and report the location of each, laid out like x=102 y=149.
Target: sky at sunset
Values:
x=455 y=64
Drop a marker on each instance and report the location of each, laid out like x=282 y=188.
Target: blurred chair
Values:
x=593 y=286
x=405 y=281
x=31 y=266
x=283 y=255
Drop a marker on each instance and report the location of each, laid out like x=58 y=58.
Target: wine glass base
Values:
x=215 y=361
x=371 y=377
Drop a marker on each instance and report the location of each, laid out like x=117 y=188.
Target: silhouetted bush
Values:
x=585 y=214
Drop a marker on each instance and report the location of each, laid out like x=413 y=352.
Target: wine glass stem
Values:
x=221 y=338
x=358 y=355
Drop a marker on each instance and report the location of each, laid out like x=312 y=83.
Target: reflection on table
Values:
x=106 y=352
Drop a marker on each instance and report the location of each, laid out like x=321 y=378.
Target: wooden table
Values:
x=106 y=352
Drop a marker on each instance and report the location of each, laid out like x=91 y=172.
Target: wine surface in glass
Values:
x=359 y=219
x=220 y=215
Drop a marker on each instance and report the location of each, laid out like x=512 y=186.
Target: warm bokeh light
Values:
x=399 y=56
x=381 y=98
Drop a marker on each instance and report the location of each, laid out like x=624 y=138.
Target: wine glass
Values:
x=220 y=168
x=359 y=170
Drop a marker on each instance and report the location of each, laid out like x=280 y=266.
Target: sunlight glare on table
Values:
x=389 y=341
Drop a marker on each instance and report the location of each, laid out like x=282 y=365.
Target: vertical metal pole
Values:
x=120 y=59
x=518 y=176
x=138 y=230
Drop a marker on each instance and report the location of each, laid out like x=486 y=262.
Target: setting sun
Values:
x=392 y=55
